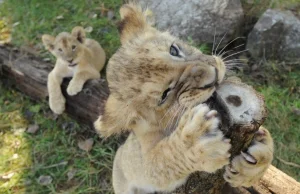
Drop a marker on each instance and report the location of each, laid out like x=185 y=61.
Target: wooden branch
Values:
x=29 y=74
x=277 y=181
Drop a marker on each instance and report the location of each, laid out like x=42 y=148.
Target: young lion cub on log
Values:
x=157 y=86
x=77 y=57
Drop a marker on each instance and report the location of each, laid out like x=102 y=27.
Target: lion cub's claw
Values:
x=207 y=143
x=247 y=168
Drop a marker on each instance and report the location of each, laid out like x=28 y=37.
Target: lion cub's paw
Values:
x=74 y=88
x=57 y=105
x=208 y=147
x=247 y=168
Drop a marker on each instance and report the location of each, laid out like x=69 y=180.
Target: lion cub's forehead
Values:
x=64 y=39
x=162 y=41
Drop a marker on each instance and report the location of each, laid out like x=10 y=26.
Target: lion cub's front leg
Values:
x=247 y=168
x=56 y=99
x=77 y=82
x=196 y=145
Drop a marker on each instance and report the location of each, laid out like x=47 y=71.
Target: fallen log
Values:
x=29 y=75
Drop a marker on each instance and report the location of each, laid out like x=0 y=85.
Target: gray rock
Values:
x=197 y=19
x=276 y=35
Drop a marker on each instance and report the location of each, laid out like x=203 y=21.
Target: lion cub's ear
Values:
x=48 y=41
x=133 y=21
x=79 y=33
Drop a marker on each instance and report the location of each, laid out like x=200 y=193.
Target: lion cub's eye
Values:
x=174 y=51
x=60 y=50
x=73 y=47
x=164 y=96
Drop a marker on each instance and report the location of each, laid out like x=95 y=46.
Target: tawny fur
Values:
x=77 y=57
x=158 y=97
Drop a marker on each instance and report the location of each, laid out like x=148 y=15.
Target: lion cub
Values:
x=77 y=57
x=157 y=87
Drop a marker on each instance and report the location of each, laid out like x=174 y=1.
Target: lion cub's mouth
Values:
x=72 y=64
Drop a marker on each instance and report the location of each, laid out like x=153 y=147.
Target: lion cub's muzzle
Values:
x=200 y=79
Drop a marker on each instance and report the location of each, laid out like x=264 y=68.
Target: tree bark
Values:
x=240 y=119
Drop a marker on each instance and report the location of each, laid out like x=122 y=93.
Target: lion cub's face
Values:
x=66 y=46
x=154 y=74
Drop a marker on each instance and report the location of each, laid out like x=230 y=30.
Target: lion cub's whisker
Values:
x=235 y=54
x=229 y=44
x=167 y=112
x=222 y=54
x=169 y=124
x=212 y=51
x=220 y=43
x=234 y=60
x=180 y=115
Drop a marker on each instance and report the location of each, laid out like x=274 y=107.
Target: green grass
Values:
x=53 y=150
x=38 y=17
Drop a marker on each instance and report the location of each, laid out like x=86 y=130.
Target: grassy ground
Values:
x=53 y=150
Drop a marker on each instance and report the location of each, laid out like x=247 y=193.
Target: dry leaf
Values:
x=110 y=15
x=89 y=29
x=95 y=16
x=45 y=180
x=86 y=145
x=46 y=59
x=71 y=174
x=16 y=24
x=296 y=111
x=19 y=131
x=8 y=176
x=60 y=17
x=32 y=128
x=15 y=156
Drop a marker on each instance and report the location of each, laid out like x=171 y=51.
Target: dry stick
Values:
x=288 y=163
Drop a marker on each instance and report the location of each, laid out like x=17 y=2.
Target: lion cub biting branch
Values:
x=77 y=57
x=157 y=86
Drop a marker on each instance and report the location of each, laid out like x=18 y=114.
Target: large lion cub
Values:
x=157 y=86
x=77 y=57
